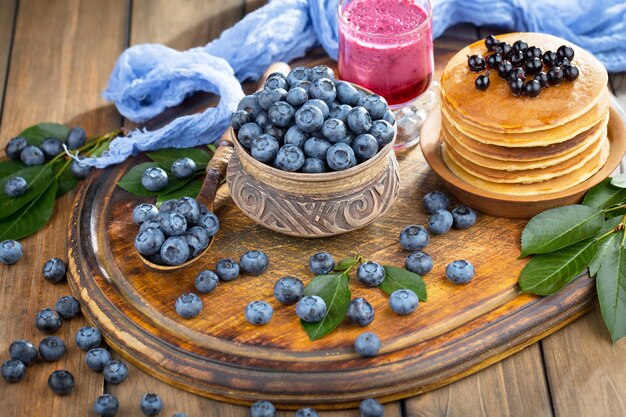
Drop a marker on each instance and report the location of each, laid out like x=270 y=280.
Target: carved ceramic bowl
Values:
x=313 y=205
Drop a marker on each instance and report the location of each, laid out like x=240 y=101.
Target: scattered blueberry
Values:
x=183 y=168
x=306 y=412
x=210 y=222
x=88 y=338
x=79 y=170
x=227 y=269
x=250 y=104
x=403 y=301
x=419 y=262
x=106 y=405
x=51 y=147
x=149 y=241
x=340 y=157
x=370 y=274
x=288 y=290
x=414 y=237
x=365 y=146
x=15 y=187
x=188 y=305
x=360 y=312
x=290 y=158
x=369 y=407
x=482 y=81
x=460 y=272
x=52 y=348
x=115 y=372
x=321 y=263
x=61 y=382
x=174 y=251
x=311 y=309
x=54 y=270
x=151 y=404
x=15 y=147
x=67 y=307
x=144 y=212
x=206 y=281
x=262 y=409
x=96 y=359
x=76 y=138
x=254 y=262
x=48 y=320
x=32 y=155
x=440 y=222
x=434 y=201
x=258 y=312
x=367 y=344
x=313 y=166
x=13 y=370
x=10 y=252
x=264 y=148
x=23 y=351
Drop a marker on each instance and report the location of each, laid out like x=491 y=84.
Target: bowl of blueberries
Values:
x=313 y=154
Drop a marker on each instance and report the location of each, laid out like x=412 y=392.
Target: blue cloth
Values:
x=147 y=79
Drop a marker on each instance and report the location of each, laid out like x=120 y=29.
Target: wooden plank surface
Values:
x=7 y=16
x=62 y=54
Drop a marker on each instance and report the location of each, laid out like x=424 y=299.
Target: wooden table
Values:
x=55 y=58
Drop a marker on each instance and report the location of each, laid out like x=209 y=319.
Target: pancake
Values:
x=516 y=159
x=546 y=137
x=531 y=175
x=496 y=110
x=545 y=187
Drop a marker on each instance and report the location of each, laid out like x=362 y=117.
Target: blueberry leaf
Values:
x=619 y=181
x=31 y=218
x=335 y=292
x=603 y=250
x=560 y=227
x=131 y=181
x=37 y=133
x=345 y=264
x=547 y=273
x=38 y=178
x=8 y=167
x=166 y=157
x=611 y=287
x=399 y=278
x=191 y=189
x=605 y=195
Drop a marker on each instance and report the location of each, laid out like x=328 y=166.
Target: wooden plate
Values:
x=517 y=207
x=459 y=330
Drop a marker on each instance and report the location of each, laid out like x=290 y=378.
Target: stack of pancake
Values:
x=525 y=146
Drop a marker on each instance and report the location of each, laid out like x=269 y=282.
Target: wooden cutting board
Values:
x=459 y=330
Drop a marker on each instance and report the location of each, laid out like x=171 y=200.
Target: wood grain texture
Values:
x=7 y=16
x=61 y=58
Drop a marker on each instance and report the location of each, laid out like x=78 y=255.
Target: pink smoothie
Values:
x=386 y=46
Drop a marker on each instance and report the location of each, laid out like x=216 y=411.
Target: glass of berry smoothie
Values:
x=386 y=46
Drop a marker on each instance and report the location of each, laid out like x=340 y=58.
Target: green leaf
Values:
x=619 y=181
x=131 y=181
x=99 y=150
x=191 y=189
x=166 y=157
x=334 y=290
x=611 y=287
x=399 y=278
x=38 y=178
x=37 y=133
x=604 y=195
x=31 y=218
x=560 y=227
x=8 y=167
x=66 y=181
x=345 y=264
x=604 y=247
x=548 y=273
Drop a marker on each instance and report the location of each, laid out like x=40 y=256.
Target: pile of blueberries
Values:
x=18 y=149
x=156 y=179
x=174 y=233
x=309 y=122
x=517 y=63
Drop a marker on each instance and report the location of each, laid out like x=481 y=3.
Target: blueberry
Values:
x=51 y=147
x=115 y=372
x=13 y=370
x=494 y=60
x=533 y=66
x=262 y=408
x=188 y=305
x=154 y=179
x=269 y=97
x=367 y=344
x=258 y=312
x=302 y=84
x=96 y=359
x=149 y=241
x=263 y=120
x=383 y=131
x=365 y=146
x=201 y=234
x=277 y=132
x=281 y=114
x=419 y=262
x=347 y=93
x=296 y=137
x=61 y=382
x=340 y=112
x=174 y=251
x=67 y=307
x=106 y=405
x=370 y=274
x=254 y=262
x=276 y=80
x=80 y=170
x=491 y=42
x=309 y=118
x=315 y=147
x=562 y=62
x=87 y=338
x=183 y=168
x=359 y=120
x=189 y=208
x=248 y=133
x=440 y=222
x=15 y=147
x=240 y=118
x=227 y=269
x=32 y=155
x=297 y=96
x=10 y=252
x=48 y=320
x=210 y=222
x=321 y=263
x=323 y=89
x=264 y=148
x=311 y=309
x=290 y=158
x=196 y=246
x=360 y=312
x=503 y=49
x=555 y=76
x=542 y=77
x=52 y=348
x=504 y=69
x=23 y=351
x=375 y=105
x=306 y=412
x=250 y=104
x=460 y=272
x=517 y=73
x=76 y=138
x=434 y=201
x=340 y=157
x=321 y=71
x=517 y=59
x=369 y=407
x=206 y=281
x=313 y=166
x=403 y=301
x=482 y=82
x=144 y=212
x=570 y=73
x=335 y=131
x=297 y=75
x=173 y=224
x=151 y=404
x=320 y=104
x=532 y=88
x=414 y=237
x=566 y=52
x=288 y=290
x=15 y=187
x=389 y=117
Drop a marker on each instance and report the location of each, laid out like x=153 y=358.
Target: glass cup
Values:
x=392 y=58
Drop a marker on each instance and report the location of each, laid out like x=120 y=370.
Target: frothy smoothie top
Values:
x=384 y=17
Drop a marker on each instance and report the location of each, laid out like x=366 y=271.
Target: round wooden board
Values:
x=459 y=330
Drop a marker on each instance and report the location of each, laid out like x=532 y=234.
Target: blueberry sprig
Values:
x=518 y=63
